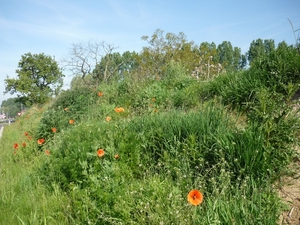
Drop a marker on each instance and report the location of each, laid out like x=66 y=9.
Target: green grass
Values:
x=175 y=135
x=24 y=199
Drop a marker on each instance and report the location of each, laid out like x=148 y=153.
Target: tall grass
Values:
x=24 y=199
x=161 y=146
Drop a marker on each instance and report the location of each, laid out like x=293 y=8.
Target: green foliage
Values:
x=259 y=49
x=164 y=48
x=278 y=72
x=278 y=69
x=114 y=66
x=230 y=57
x=74 y=104
x=169 y=153
x=236 y=90
x=39 y=77
x=10 y=107
x=231 y=137
x=24 y=198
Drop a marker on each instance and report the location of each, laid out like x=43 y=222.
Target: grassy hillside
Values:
x=130 y=152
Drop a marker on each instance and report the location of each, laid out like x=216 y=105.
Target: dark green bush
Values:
x=278 y=69
x=72 y=104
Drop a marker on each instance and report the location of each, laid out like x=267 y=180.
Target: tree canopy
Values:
x=10 y=107
x=38 y=78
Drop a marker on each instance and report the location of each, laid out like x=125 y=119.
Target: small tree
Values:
x=38 y=78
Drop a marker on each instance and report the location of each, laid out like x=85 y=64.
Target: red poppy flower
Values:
x=195 y=197
x=100 y=152
x=117 y=156
x=108 y=118
x=16 y=146
x=71 y=121
x=26 y=133
x=53 y=129
x=41 y=141
x=118 y=110
x=47 y=152
x=100 y=94
x=24 y=144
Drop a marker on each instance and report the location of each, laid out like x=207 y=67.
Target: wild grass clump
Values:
x=277 y=74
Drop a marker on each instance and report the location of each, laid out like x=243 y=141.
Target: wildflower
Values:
x=195 y=197
x=100 y=152
x=29 y=137
x=118 y=110
x=41 y=141
x=66 y=109
x=108 y=119
x=16 y=146
x=24 y=144
x=26 y=133
x=53 y=129
x=71 y=121
x=100 y=94
x=117 y=156
x=47 y=152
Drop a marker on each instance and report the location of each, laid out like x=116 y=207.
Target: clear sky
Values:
x=52 y=26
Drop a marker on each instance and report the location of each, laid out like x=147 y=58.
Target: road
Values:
x=1 y=128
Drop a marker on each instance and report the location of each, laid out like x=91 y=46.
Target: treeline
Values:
x=204 y=61
x=10 y=107
x=40 y=77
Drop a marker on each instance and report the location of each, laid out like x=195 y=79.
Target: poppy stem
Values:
x=195 y=216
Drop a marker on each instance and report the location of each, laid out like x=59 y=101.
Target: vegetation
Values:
x=154 y=144
x=39 y=78
x=11 y=107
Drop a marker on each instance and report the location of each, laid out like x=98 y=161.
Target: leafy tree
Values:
x=230 y=57
x=256 y=49
x=115 y=66
x=38 y=78
x=164 y=48
x=130 y=64
x=225 y=54
x=10 y=107
x=260 y=48
x=208 y=64
x=108 y=67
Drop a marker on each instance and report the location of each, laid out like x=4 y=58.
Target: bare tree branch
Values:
x=85 y=57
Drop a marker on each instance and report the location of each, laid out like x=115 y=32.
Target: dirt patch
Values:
x=290 y=194
x=289 y=190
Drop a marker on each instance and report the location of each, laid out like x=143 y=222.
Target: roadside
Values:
x=1 y=130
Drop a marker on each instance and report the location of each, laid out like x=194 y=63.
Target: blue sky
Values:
x=52 y=26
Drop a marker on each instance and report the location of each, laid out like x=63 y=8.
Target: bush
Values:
x=73 y=104
x=278 y=69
